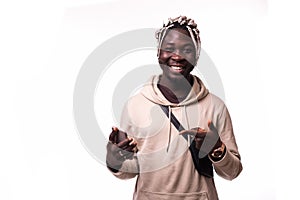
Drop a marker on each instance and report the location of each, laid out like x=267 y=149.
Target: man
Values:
x=158 y=151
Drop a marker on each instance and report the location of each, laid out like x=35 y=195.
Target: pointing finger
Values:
x=197 y=132
x=191 y=132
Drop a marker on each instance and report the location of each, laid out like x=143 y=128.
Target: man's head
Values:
x=181 y=22
x=178 y=47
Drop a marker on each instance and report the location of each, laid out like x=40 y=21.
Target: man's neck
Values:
x=173 y=90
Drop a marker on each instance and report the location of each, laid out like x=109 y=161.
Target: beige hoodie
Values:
x=163 y=164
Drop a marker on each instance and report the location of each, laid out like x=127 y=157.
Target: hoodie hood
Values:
x=153 y=93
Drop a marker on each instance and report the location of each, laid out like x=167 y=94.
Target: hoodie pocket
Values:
x=146 y=195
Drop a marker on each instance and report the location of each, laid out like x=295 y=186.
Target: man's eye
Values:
x=187 y=50
x=169 y=49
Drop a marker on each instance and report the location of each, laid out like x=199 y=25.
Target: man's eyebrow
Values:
x=170 y=43
x=173 y=43
x=189 y=44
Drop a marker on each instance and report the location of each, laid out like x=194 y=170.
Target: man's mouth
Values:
x=177 y=68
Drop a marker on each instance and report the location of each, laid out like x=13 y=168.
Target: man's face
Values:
x=177 y=54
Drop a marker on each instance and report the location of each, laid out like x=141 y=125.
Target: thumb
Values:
x=211 y=125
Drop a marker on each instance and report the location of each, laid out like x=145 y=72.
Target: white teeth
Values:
x=176 y=68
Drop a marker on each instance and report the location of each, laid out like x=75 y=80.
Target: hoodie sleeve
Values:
x=230 y=166
x=128 y=170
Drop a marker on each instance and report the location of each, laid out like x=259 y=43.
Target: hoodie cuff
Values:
x=222 y=160
x=225 y=161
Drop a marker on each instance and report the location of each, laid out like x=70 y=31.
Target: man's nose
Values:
x=176 y=56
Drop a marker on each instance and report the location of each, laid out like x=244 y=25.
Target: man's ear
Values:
x=158 y=51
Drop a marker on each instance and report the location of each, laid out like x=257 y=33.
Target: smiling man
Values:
x=175 y=132
x=177 y=58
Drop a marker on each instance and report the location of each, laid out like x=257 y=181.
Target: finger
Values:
x=191 y=132
x=211 y=126
x=113 y=134
x=115 y=129
x=199 y=129
x=201 y=133
x=131 y=147
x=198 y=132
x=124 y=143
x=209 y=123
x=195 y=130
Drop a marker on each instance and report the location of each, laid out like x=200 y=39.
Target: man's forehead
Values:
x=179 y=31
x=176 y=35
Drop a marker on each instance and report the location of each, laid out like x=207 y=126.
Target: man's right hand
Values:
x=119 y=148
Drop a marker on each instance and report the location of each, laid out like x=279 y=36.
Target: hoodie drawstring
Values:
x=188 y=125
x=170 y=124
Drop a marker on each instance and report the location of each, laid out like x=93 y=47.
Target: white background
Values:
x=43 y=44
